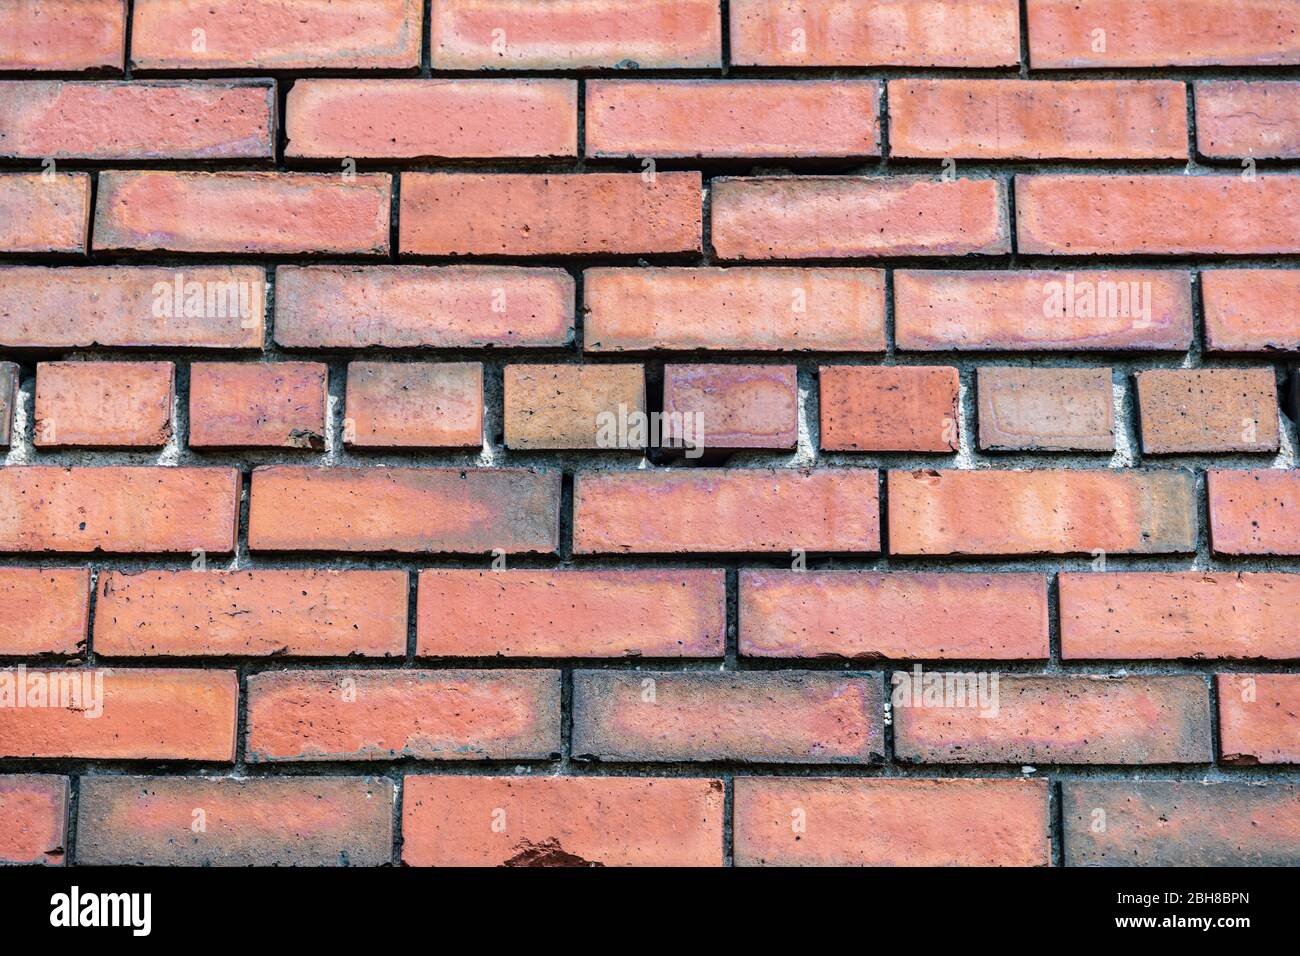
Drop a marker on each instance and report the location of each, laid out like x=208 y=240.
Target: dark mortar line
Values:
x=1056 y=820
x=72 y=819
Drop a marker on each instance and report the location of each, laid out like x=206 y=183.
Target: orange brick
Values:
x=1207 y=410
x=1235 y=118
x=33 y=819
x=598 y=613
x=44 y=610
x=414 y=405
x=44 y=215
x=1046 y=409
x=244 y=613
x=104 y=404
x=889 y=408
x=572 y=406
x=1259 y=718
x=840 y=822
x=893 y=615
x=384 y=715
x=63 y=35
x=1254 y=512
x=1249 y=310
x=799 y=217
x=10 y=378
x=257 y=405
x=735 y=406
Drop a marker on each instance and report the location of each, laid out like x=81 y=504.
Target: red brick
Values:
x=383 y=715
x=10 y=377
x=893 y=615
x=33 y=819
x=1250 y=310
x=1186 y=614
x=44 y=610
x=889 y=408
x=63 y=35
x=1175 y=823
x=104 y=404
x=575 y=34
x=747 y=510
x=230 y=119
x=1162 y=33
x=571 y=406
x=1111 y=310
x=538 y=214
x=1235 y=118
x=414 y=405
x=748 y=717
x=972 y=33
x=1115 y=215
x=1041 y=512
x=422 y=307
x=1254 y=512
x=308 y=613
x=1148 y=719
x=120 y=510
x=293 y=821
x=598 y=613
x=257 y=405
x=1207 y=410
x=738 y=406
x=44 y=215
x=267 y=213
x=841 y=822
x=733 y=118
x=411 y=510
x=220 y=307
x=1046 y=409
x=740 y=309
x=798 y=217
x=425 y=119
x=120 y=714
x=277 y=34
x=1259 y=718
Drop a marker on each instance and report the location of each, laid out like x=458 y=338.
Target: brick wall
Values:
x=330 y=532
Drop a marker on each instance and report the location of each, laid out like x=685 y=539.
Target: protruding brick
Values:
x=257 y=405
x=1259 y=718
x=1236 y=119
x=1041 y=512
x=10 y=375
x=104 y=404
x=414 y=405
x=1251 y=310
x=44 y=610
x=1045 y=409
x=736 y=406
x=893 y=615
x=889 y=408
x=536 y=214
x=383 y=715
x=572 y=406
x=598 y=613
x=747 y=717
x=412 y=510
x=797 y=217
x=63 y=35
x=891 y=822
x=33 y=818
x=44 y=215
x=1254 y=512
x=1207 y=410
x=290 y=821
x=309 y=613
x=1012 y=718
x=265 y=213
x=746 y=510
x=742 y=309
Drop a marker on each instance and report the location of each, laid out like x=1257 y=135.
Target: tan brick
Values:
x=414 y=405
x=572 y=406
x=1046 y=409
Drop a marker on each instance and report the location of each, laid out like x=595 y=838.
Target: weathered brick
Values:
x=575 y=34
x=309 y=613
x=291 y=821
x=749 y=717
x=1148 y=719
x=120 y=714
x=63 y=35
x=533 y=214
x=243 y=212
x=893 y=615
x=748 y=510
x=44 y=215
x=1112 y=310
x=257 y=405
x=1254 y=512
x=414 y=405
x=1259 y=718
x=10 y=375
x=382 y=715
x=227 y=119
x=739 y=309
x=413 y=510
x=735 y=406
x=104 y=404
x=427 y=119
x=1037 y=119
x=842 y=822
x=1041 y=512
x=1250 y=310
x=121 y=510
x=33 y=819
x=1207 y=410
x=1045 y=409
x=572 y=406
x=889 y=408
x=44 y=610
x=645 y=612
x=1235 y=119
x=799 y=217
x=733 y=118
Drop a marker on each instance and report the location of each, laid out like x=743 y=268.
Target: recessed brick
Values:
x=1045 y=409
x=1259 y=119
x=573 y=406
x=1259 y=718
x=889 y=408
x=257 y=405
x=736 y=406
x=44 y=610
x=1254 y=512
x=104 y=404
x=1207 y=410
x=33 y=819
x=414 y=405
x=1250 y=310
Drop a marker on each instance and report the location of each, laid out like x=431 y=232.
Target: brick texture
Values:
x=34 y=809
x=44 y=610
x=104 y=404
x=69 y=35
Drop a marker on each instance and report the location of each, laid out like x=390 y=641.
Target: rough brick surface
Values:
x=104 y=404
x=1254 y=512
x=567 y=406
x=33 y=819
x=889 y=408
x=738 y=406
x=44 y=215
x=44 y=610
x=414 y=405
x=1207 y=410
x=1236 y=119
x=63 y=35
x=1045 y=409
x=257 y=405
x=1259 y=718
x=1246 y=310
